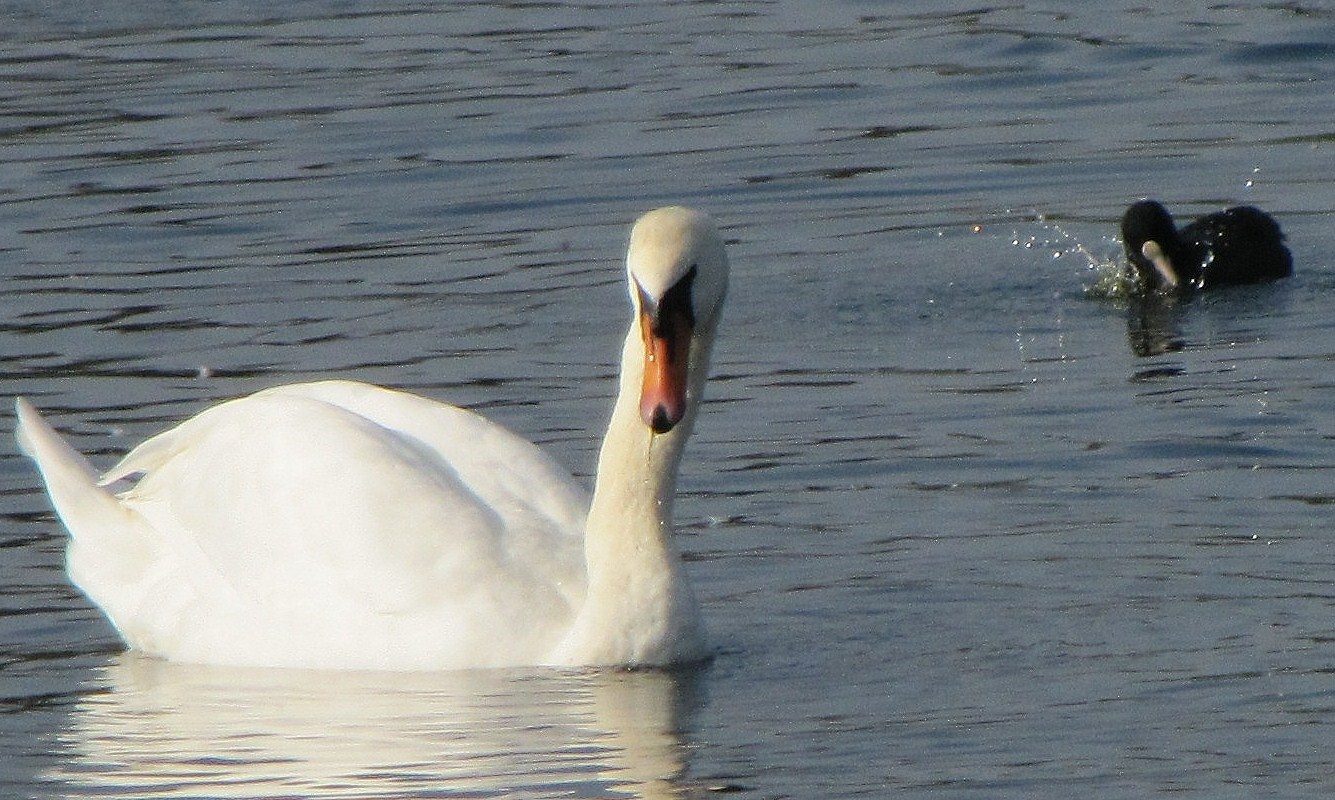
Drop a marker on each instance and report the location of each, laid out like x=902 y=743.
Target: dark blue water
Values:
x=954 y=534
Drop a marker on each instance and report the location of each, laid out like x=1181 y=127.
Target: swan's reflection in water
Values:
x=169 y=730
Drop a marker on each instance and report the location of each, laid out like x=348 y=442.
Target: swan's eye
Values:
x=675 y=304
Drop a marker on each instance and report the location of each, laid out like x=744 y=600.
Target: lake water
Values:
x=960 y=528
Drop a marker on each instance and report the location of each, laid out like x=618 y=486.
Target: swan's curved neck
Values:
x=637 y=468
x=638 y=608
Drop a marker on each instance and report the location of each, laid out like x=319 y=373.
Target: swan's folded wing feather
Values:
x=298 y=502
x=504 y=469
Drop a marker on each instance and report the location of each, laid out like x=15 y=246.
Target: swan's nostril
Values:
x=661 y=422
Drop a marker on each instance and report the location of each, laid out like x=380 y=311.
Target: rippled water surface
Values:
x=960 y=527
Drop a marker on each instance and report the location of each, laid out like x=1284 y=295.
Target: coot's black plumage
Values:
x=1238 y=245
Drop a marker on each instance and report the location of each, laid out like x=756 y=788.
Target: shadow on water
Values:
x=1159 y=324
x=1154 y=325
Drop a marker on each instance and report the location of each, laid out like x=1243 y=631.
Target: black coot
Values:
x=1238 y=245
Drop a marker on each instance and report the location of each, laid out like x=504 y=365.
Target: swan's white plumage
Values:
x=343 y=525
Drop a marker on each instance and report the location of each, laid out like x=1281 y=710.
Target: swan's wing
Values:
x=510 y=473
x=341 y=502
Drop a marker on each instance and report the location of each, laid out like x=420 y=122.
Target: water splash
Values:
x=1106 y=274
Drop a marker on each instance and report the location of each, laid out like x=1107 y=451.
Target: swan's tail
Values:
x=70 y=480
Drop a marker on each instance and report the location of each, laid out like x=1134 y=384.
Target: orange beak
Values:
x=667 y=349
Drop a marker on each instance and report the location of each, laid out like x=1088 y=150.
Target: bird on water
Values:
x=1238 y=245
x=341 y=525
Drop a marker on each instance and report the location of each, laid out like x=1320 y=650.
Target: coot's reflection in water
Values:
x=1154 y=324
x=1159 y=324
x=238 y=733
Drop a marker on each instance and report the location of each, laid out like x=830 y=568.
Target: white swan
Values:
x=343 y=525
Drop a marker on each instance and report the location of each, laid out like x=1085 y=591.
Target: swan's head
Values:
x=678 y=277
x=1151 y=243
